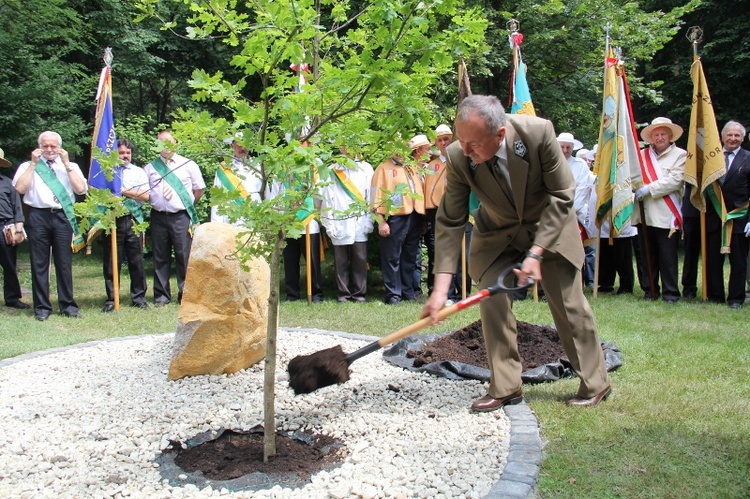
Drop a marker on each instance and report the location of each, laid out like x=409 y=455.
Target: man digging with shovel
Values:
x=515 y=167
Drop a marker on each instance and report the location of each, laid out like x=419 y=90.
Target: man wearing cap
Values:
x=129 y=244
x=735 y=190
x=11 y=221
x=518 y=172
x=176 y=184
x=659 y=187
x=399 y=212
x=348 y=190
x=241 y=177
x=49 y=184
x=584 y=180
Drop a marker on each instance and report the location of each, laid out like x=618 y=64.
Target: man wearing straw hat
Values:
x=584 y=180
x=516 y=168
x=11 y=220
x=660 y=187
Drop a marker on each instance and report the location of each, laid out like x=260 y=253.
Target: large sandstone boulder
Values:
x=224 y=311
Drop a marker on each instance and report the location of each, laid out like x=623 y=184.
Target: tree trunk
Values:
x=269 y=373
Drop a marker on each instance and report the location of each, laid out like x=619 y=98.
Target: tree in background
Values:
x=372 y=71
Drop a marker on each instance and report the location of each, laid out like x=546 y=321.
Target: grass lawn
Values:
x=676 y=425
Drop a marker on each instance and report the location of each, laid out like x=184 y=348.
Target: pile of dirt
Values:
x=538 y=345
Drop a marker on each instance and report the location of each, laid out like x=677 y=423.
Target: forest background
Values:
x=52 y=56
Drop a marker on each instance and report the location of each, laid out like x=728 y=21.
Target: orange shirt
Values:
x=391 y=177
x=434 y=183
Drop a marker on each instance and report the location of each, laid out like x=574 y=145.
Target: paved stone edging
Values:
x=520 y=473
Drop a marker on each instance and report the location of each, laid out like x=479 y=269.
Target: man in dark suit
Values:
x=735 y=189
x=515 y=167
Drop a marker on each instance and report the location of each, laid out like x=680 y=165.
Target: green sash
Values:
x=134 y=208
x=50 y=180
x=231 y=182
x=347 y=184
x=174 y=182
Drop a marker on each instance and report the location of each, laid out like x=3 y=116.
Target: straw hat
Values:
x=568 y=137
x=659 y=123
x=4 y=163
x=418 y=141
x=443 y=130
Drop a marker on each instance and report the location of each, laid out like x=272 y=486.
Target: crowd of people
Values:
x=403 y=196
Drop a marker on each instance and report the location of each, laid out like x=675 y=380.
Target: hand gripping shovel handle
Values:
x=498 y=287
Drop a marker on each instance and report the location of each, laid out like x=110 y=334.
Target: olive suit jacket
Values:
x=539 y=211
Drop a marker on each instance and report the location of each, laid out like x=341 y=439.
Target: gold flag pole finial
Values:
x=695 y=35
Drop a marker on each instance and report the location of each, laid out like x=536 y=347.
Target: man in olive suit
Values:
x=515 y=167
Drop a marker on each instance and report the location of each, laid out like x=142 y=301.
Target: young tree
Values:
x=372 y=69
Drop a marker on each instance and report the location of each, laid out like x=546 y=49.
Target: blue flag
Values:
x=104 y=136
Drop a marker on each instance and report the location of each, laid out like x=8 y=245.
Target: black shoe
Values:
x=73 y=315
x=18 y=304
x=140 y=304
x=161 y=303
x=393 y=300
x=108 y=307
x=735 y=305
x=291 y=298
x=42 y=315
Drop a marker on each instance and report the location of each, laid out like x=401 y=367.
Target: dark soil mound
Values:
x=537 y=345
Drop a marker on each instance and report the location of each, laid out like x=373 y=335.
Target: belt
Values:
x=169 y=212
x=48 y=210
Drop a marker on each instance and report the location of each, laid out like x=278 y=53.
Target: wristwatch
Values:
x=531 y=254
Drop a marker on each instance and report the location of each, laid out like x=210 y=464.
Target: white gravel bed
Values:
x=89 y=422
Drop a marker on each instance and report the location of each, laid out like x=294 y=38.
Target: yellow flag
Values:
x=705 y=162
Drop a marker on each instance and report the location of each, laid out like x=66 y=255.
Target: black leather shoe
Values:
x=18 y=304
x=140 y=304
x=108 y=307
x=393 y=300
x=590 y=402
x=74 y=315
x=42 y=315
x=489 y=403
x=160 y=303
x=735 y=306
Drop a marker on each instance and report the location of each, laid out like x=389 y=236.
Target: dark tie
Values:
x=50 y=163
x=501 y=173
x=726 y=164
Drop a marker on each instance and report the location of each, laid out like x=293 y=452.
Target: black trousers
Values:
x=129 y=245
x=662 y=251
x=293 y=252
x=616 y=259
x=50 y=231
x=8 y=259
x=398 y=255
x=170 y=231
x=350 y=263
x=692 y=240
x=737 y=268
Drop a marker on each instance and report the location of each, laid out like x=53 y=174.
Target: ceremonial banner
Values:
x=520 y=95
x=705 y=163
x=617 y=151
x=104 y=135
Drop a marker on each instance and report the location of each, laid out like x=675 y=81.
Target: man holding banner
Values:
x=49 y=184
x=659 y=187
x=176 y=184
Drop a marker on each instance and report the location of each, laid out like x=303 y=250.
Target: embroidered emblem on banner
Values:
x=519 y=148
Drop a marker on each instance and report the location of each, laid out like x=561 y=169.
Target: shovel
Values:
x=326 y=367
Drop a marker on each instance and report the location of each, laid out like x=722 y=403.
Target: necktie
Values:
x=50 y=163
x=501 y=172
x=726 y=164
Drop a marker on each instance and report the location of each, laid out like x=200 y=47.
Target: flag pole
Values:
x=108 y=58
x=695 y=36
